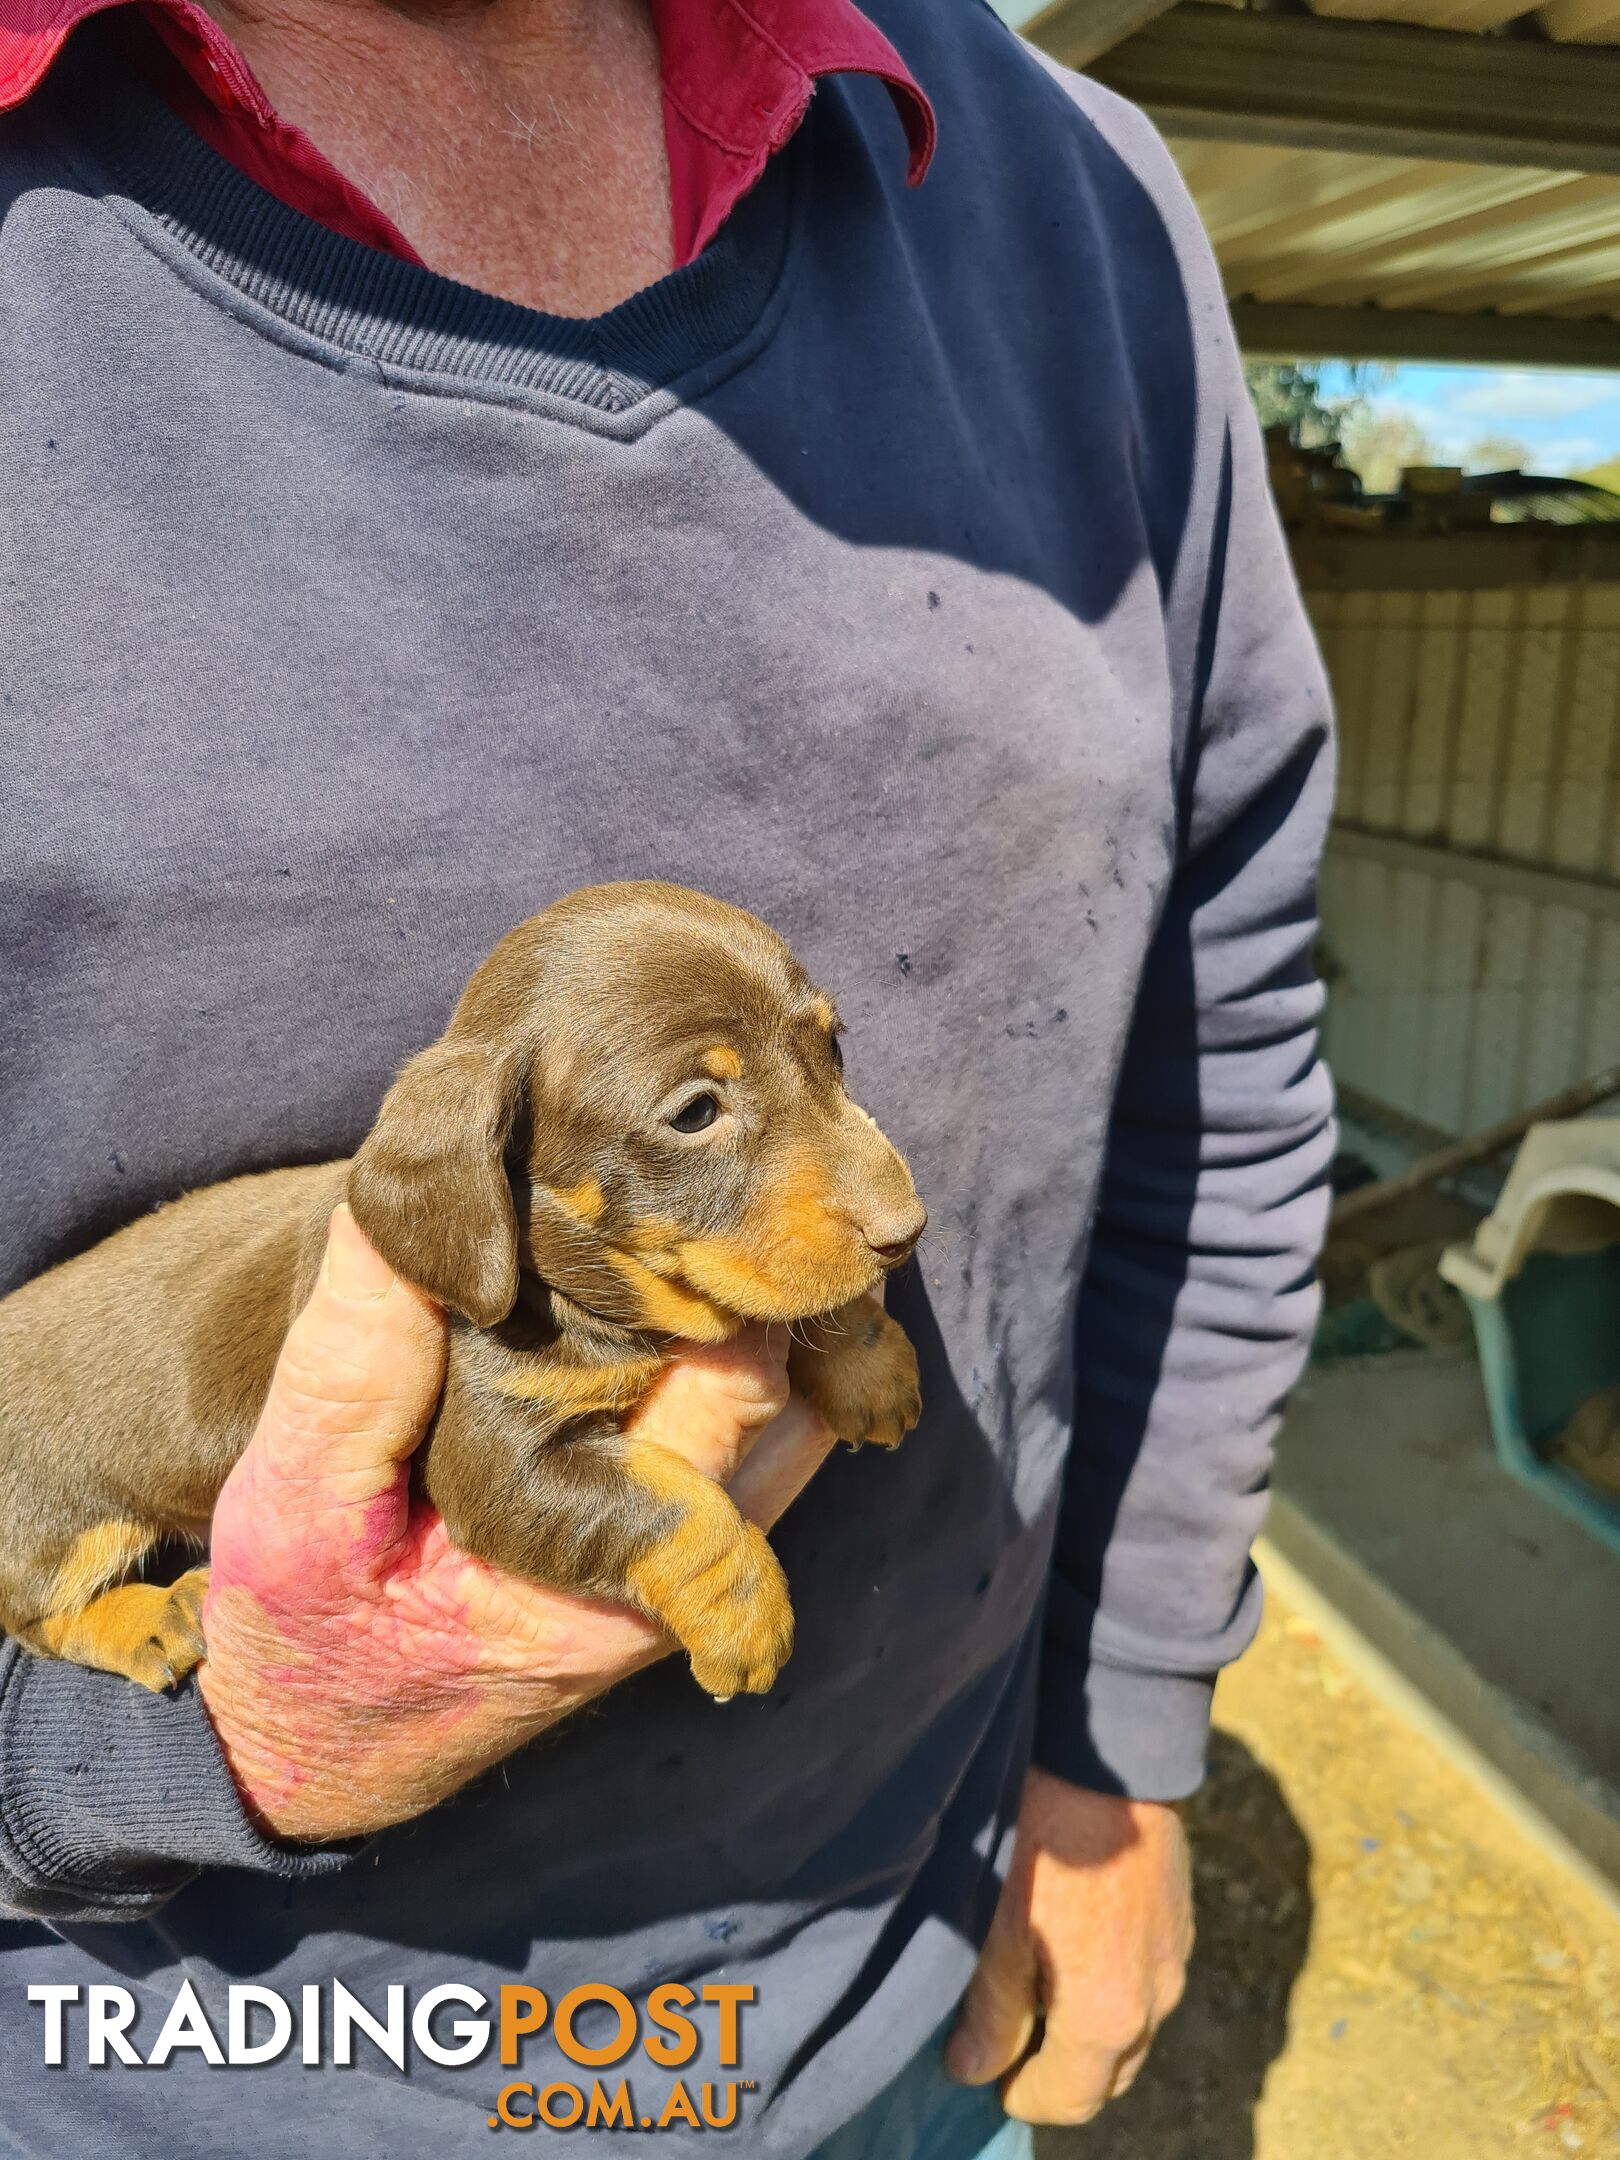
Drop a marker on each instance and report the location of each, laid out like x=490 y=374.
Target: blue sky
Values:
x=1569 y=421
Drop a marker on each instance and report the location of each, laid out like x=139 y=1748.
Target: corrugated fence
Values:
x=1471 y=895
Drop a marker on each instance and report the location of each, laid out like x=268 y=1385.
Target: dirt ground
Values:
x=1385 y=1967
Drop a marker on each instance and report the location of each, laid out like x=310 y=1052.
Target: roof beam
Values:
x=1305 y=82
x=1077 y=31
x=1283 y=330
x=1503 y=558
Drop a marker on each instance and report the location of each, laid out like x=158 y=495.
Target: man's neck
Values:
x=517 y=144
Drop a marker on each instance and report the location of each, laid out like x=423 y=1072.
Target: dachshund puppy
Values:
x=634 y=1129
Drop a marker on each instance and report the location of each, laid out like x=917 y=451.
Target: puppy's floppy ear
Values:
x=429 y=1185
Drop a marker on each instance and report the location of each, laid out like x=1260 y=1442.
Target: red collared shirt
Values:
x=737 y=81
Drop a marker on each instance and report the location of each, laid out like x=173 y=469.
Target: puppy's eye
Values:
x=697 y=1115
x=837 y=1053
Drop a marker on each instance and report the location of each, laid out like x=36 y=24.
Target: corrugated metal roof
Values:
x=1419 y=179
x=1331 y=228
x=1583 y=22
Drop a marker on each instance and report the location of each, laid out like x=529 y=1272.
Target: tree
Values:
x=1289 y=393
x=1498 y=453
x=1379 y=445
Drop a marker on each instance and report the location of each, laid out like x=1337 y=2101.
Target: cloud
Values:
x=1570 y=454
x=1447 y=436
x=1565 y=422
x=1516 y=394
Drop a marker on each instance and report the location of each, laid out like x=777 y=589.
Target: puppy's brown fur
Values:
x=526 y=1171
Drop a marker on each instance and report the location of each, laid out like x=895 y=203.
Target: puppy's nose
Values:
x=893 y=1235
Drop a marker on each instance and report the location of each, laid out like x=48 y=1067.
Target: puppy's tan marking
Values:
x=149 y=1632
x=572 y=1391
x=584 y=1199
x=799 y=1211
x=653 y=1238
x=792 y=1254
x=730 y=1275
x=824 y=1012
x=669 y=1308
x=722 y=1062
x=712 y=1580
x=95 y=1559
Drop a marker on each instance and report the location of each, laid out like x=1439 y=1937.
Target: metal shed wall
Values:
x=1471 y=893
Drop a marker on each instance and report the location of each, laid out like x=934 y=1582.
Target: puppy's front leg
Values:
x=857 y=1367
x=572 y=1501
x=704 y=1572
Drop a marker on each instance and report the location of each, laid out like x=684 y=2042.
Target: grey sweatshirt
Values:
x=903 y=570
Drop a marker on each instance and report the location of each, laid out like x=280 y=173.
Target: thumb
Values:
x=997 y=2019
x=712 y=1401
x=358 y=1376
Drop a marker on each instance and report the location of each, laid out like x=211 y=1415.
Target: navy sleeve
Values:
x=1199 y=1297
x=112 y=1799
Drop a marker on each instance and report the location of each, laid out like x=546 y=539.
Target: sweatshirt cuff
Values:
x=1141 y=1734
x=111 y=1798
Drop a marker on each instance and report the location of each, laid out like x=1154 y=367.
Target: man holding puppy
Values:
x=457 y=454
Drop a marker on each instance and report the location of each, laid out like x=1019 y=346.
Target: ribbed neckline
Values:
x=407 y=320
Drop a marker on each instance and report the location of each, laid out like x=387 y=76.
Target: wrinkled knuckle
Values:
x=1069 y=2114
x=300 y=1413
x=1057 y=2110
x=1118 y=2028
x=318 y=1371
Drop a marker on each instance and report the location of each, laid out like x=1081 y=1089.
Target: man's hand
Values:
x=1088 y=1947
x=360 y=1668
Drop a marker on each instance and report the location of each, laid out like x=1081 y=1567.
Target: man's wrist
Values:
x=1079 y=1821
x=1112 y=1729
x=319 y=1774
x=280 y=1783
x=1124 y=1805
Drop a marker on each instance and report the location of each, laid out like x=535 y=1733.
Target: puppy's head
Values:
x=640 y=1100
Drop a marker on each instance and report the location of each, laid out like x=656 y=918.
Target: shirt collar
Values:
x=737 y=82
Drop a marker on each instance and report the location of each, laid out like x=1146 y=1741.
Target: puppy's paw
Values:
x=714 y=1583
x=737 y=1620
x=861 y=1375
x=151 y=1633
x=175 y=1645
